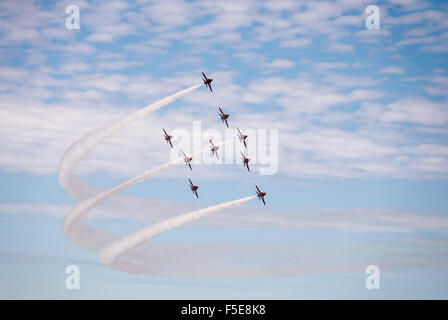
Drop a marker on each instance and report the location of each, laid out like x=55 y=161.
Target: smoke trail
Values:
x=83 y=207
x=89 y=196
x=80 y=189
x=114 y=249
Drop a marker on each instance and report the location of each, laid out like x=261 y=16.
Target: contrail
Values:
x=108 y=253
x=90 y=196
x=81 y=147
x=84 y=206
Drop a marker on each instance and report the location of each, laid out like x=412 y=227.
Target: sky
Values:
x=361 y=116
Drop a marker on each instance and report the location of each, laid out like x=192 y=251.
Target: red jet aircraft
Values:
x=214 y=149
x=187 y=160
x=245 y=162
x=207 y=81
x=223 y=116
x=194 y=188
x=167 y=138
x=260 y=194
x=242 y=137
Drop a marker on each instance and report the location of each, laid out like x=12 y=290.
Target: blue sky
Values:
x=362 y=123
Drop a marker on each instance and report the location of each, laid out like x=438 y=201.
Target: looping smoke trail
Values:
x=108 y=253
x=90 y=195
x=82 y=207
x=80 y=148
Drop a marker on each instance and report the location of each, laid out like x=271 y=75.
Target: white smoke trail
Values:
x=80 y=148
x=84 y=206
x=108 y=253
x=91 y=195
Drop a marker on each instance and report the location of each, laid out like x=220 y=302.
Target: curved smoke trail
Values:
x=90 y=196
x=80 y=189
x=131 y=240
x=84 y=206
x=83 y=191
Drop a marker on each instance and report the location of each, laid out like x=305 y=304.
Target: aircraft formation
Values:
x=214 y=149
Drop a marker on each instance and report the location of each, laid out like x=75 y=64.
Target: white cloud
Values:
x=295 y=43
x=302 y=95
x=281 y=64
x=101 y=37
x=322 y=66
x=337 y=144
x=73 y=67
x=349 y=81
x=393 y=70
x=416 y=110
x=412 y=109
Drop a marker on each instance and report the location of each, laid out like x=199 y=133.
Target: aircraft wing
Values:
x=262 y=199
x=170 y=143
x=257 y=188
x=191 y=183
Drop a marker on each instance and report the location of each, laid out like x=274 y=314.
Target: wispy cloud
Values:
x=393 y=70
